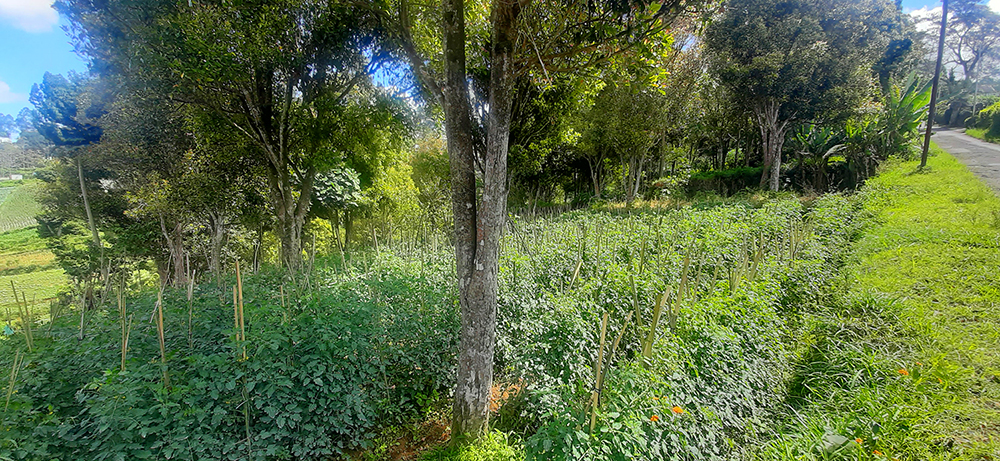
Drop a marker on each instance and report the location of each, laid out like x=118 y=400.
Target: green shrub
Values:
x=990 y=118
x=322 y=374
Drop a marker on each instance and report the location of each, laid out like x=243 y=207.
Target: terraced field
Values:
x=24 y=259
x=18 y=206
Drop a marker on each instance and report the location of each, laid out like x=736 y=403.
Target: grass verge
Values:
x=904 y=365
x=981 y=134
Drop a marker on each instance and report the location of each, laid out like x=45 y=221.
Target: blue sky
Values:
x=34 y=43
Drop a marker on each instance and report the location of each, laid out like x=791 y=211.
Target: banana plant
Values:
x=905 y=107
x=818 y=143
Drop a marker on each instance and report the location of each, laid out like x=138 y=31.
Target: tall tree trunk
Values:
x=772 y=133
x=218 y=229
x=175 y=244
x=478 y=229
x=291 y=213
x=334 y=230
x=95 y=236
x=348 y=229
x=469 y=408
x=596 y=165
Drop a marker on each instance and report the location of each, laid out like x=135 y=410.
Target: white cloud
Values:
x=29 y=15
x=995 y=5
x=926 y=19
x=7 y=96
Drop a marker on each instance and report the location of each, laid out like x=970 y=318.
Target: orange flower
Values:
x=918 y=363
x=903 y=372
x=654 y=418
x=859 y=440
x=676 y=409
x=877 y=453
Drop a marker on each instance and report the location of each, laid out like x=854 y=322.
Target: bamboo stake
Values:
x=618 y=339
x=236 y=314
x=190 y=299
x=123 y=323
x=595 y=395
x=576 y=273
x=83 y=312
x=635 y=302
x=159 y=332
x=239 y=310
x=647 y=347
x=14 y=369
x=22 y=310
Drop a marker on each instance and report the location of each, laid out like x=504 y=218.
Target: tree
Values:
x=516 y=38
x=973 y=35
x=7 y=126
x=540 y=136
x=337 y=191
x=797 y=60
x=276 y=70
x=66 y=114
x=627 y=120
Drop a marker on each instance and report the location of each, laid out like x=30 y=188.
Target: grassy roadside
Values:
x=904 y=365
x=980 y=133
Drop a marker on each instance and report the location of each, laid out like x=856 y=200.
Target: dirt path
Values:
x=982 y=158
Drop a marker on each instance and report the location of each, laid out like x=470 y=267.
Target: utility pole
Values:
x=934 y=87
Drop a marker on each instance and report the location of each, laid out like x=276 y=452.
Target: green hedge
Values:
x=725 y=182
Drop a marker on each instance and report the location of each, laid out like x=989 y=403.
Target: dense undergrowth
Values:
x=902 y=364
x=334 y=363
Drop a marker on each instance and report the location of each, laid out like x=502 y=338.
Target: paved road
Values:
x=982 y=157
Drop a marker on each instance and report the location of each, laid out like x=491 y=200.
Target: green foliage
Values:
x=20 y=241
x=337 y=189
x=990 y=119
x=726 y=182
x=328 y=368
x=66 y=110
x=808 y=56
x=322 y=373
x=904 y=109
x=431 y=173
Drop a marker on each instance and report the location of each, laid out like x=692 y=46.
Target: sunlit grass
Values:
x=32 y=267
x=979 y=133
x=907 y=361
x=494 y=446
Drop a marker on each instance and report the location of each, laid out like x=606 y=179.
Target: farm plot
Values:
x=18 y=206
